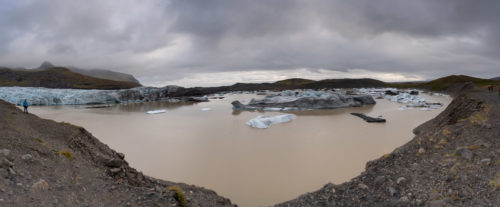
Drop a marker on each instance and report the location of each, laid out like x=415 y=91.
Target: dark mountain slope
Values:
x=58 y=78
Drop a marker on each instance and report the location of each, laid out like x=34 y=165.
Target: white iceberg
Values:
x=206 y=109
x=264 y=121
x=272 y=109
x=157 y=111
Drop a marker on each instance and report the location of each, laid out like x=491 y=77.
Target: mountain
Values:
x=96 y=73
x=105 y=74
x=497 y=78
x=57 y=77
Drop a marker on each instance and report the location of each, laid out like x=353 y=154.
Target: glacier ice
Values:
x=405 y=97
x=49 y=96
x=45 y=96
x=304 y=100
x=264 y=121
x=157 y=111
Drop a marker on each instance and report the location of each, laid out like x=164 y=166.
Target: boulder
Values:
x=40 y=185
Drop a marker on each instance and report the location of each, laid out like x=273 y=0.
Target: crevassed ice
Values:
x=45 y=96
x=49 y=96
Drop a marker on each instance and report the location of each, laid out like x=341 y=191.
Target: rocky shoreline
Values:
x=45 y=163
x=454 y=160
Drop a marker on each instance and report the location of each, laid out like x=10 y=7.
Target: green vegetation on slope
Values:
x=294 y=82
x=58 y=77
x=298 y=83
x=444 y=83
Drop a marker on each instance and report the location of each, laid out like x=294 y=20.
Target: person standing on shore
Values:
x=25 y=105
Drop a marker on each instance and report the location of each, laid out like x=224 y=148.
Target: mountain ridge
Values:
x=58 y=77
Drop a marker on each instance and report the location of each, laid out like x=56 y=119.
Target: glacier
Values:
x=49 y=96
x=264 y=121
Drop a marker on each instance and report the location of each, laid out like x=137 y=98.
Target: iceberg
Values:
x=410 y=98
x=206 y=109
x=157 y=111
x=264 y=121
x=305 y=100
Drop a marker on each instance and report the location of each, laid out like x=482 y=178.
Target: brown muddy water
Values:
x=252 y=167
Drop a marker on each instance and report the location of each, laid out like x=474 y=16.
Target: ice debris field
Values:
x=46 y=96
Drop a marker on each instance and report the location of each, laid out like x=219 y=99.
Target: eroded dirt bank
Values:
x=45 y=163
x=454 y=160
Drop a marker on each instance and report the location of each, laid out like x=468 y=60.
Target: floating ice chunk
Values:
x=435 y=106
x=272 y=109
x=157 y=111
x=425 y=109
x=263 y=121
x=402 y=108
x=206 y=109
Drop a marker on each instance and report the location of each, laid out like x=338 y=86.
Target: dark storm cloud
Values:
x=169 y=40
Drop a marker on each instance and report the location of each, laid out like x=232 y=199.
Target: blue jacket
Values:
x=25 y=103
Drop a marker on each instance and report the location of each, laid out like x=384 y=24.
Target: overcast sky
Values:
x=220 y=42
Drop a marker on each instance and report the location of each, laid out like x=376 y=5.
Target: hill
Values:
x=497 y=78
x=105 y=74
x=448 y=84
x=96 y=73
x=58 y=77
x=296 y=83
x=445 y=82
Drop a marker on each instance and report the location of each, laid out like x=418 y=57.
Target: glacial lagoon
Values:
x=209 y=144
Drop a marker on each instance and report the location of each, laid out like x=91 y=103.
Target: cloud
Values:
x=174 y=41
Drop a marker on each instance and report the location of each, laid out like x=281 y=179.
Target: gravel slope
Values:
x=454 y=160
x=45 y=163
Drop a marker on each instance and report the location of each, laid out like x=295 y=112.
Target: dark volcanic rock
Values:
x=392 y=93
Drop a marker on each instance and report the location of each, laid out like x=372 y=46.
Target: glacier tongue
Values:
x=46 y=96
x=50 y=96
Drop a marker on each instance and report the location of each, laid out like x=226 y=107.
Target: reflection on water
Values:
x=252 y=167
